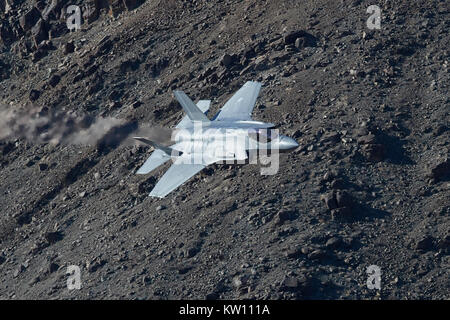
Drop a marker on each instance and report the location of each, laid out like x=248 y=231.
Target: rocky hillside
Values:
x=369 y=184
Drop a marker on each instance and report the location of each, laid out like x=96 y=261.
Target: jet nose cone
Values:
x=287 y=143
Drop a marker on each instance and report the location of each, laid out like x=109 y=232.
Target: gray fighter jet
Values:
x=230 y=135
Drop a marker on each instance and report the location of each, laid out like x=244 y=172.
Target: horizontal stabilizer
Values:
x=169 y=151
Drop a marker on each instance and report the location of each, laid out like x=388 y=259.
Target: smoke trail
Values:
x=155 y=133
x=40 y=125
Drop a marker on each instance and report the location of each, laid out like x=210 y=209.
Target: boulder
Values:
x=29 y=19
x=6 y=34
x=440 y=171
x=116 y=7
x=132 y=4
x=5 y=6
x=299 y=39
x=50 y=8
x=40 y=32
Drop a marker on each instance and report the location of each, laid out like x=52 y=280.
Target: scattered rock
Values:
x=7 y=35
x=300 y=43
x=299 y=39
x=33 y=281
x=34 y=95
x=193 y=248
x=104 y=46
x=294 y=252
x=283 y=216
x=317 y=254
x=183 y=269
x=40 y=32
x=228 y=60
x=444 y=243
x=343 y=199
x=330 y=200
x=333 y=243
x=239 y=281
x=301 y=285
x=95 y=264
x=53 y=237
x=19 y=270
x=38 y=55
x=290 y=284
x=372 y=150
x=69 y=47
x=291 y=37
x=53 y=267
x=425 y=243
x=132 y=4
x=92 y=14
x=341 y=213
x=441 y=170
x=54 y=80
x=29 y=19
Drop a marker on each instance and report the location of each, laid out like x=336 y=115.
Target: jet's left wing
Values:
x=177 y=174
x=241 y=104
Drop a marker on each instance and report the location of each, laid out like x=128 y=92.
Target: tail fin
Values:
x=192 y=111
x=203 y=105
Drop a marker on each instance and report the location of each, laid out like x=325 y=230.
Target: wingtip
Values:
x=156 y=195
x=253 y=83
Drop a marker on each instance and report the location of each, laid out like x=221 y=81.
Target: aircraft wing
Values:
x=241 y=104
x=203 y=105
x=157 y=158
x=177 y=174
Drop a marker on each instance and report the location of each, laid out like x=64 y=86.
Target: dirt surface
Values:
x=369 y=184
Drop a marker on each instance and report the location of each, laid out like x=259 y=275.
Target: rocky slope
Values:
x=369 y=184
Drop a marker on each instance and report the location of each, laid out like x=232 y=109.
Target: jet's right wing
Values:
x=157 y=158
x=241 y=104
x=177 y=174
x=161 y=155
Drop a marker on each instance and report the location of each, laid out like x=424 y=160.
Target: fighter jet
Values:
x=230 y=135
